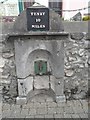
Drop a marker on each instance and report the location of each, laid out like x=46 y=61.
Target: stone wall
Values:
x=7 y=70
x=77 y=62
x=76 y=68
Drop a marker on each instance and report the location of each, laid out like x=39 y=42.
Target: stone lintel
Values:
x=38 y=35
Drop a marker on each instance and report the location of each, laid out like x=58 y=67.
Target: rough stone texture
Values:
x=76 y=69
x=8 y=74
x=76 y=87
x=77 y=36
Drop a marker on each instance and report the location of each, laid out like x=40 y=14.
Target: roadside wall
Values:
x=76 y=64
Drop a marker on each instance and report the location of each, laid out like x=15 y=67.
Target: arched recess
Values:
x=40 y=92
x=38 y=54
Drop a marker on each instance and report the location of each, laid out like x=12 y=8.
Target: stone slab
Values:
x=21 y=100
x=41 y=82
x=25 y=85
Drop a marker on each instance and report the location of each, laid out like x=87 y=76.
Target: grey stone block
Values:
x=76 y=36
x=21 y=100
x=41 y=82
x=25 y=86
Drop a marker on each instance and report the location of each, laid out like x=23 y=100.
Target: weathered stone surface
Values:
x=8 y=55
x=87 y=37
x=72 y=59
x=76 y=36
x=25 y=86
x=41 y=82
x=20 y=101
x=69 y=73
x=78 y=67
x=81 y=95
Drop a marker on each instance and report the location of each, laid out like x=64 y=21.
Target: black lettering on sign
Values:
x=37 y=19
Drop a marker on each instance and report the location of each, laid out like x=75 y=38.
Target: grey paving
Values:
x=71 y=109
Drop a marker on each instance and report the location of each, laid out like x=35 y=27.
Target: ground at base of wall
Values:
x=49 y=109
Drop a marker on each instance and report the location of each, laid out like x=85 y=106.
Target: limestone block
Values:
x=72 y=59
x=21 y=101
x=76 y=36
x=81 y=95
x=7 y=82
x=25 y=85
x=4 y=76
x=69 y=73
x=8 y=55
x=41 y=82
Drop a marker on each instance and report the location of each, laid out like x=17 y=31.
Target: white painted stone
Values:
x=41 y=82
